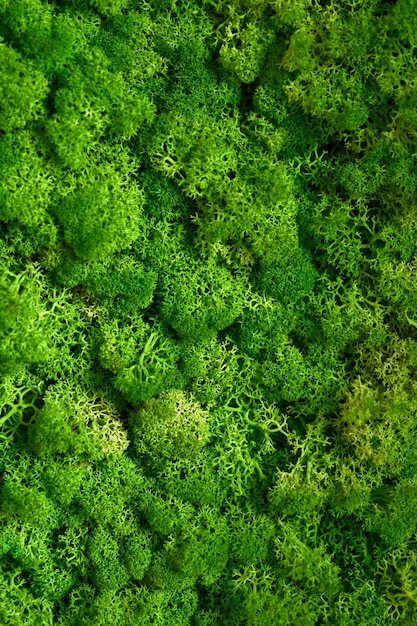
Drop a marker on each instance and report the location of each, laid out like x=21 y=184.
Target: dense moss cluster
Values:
x=208 y=313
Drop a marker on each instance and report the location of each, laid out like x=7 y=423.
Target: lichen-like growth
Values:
x=208 y=348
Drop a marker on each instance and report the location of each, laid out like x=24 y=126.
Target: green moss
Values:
x=208 y=362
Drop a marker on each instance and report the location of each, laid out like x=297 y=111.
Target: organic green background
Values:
x=208 y=313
